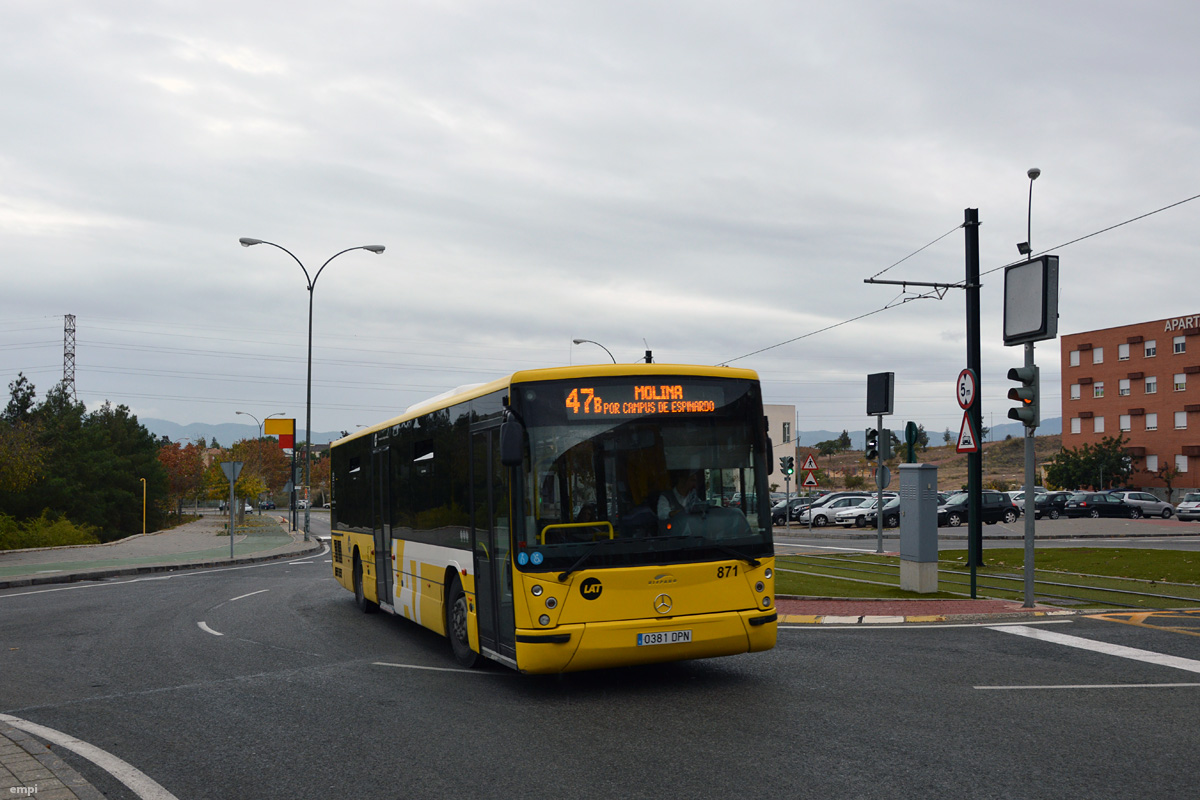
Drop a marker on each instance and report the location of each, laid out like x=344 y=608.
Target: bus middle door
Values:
x=381 y=507
x=493 y=566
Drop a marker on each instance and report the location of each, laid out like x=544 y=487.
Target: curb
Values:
x=118 y=572
x=869 y=619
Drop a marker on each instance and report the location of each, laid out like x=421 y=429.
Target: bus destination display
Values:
x=637 y=400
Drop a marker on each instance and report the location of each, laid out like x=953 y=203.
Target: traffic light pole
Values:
x=1030 y=503
x=879 y=484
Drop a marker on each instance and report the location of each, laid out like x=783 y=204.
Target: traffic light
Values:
x=783 y=464
x=789 y=465
x=872 y=444
x=1027 y=396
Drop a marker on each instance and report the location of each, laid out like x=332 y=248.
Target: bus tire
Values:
x=360 y=597
x=457 y=625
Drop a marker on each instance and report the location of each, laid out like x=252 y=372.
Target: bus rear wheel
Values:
x=457 y=621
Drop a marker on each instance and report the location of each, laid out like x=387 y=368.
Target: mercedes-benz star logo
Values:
x=662 y=603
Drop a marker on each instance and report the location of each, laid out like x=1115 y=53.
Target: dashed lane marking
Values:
x=204 y=627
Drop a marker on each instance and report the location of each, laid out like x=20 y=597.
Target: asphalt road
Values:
x=302 y=696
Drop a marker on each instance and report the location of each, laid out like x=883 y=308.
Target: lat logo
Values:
x=591 y=588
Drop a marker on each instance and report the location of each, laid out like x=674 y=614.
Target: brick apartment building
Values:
x=1142 y=381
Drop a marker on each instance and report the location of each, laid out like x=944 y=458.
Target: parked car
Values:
x=1149 y=505
x=1050 y=504
x=1189 y=507
x=789 y=509
x=891 y=514
x=266 y=505
x=854 y=515
x=823 y=513
x=993 y=506
x=1100 y=504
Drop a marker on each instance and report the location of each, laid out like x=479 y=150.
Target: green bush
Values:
x=43 y=531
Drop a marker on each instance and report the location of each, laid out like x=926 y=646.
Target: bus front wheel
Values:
x=457 y=620
x=360 y=597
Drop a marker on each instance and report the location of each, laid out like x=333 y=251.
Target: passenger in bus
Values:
x=682 y=494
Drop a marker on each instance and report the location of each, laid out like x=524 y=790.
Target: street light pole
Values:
x=143 y=480
x=602 y=347
x=251 y=416
x=246 y=241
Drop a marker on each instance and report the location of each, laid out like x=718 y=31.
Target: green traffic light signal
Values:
x=1027 y=412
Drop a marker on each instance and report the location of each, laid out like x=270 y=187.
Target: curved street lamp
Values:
x=602 y=347
x=247 y=241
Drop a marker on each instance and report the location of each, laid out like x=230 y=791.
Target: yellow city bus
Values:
x=568 y=518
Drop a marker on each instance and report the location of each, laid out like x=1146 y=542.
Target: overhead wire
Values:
x=959 y=284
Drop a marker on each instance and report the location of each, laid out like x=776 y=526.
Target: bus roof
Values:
x=471 y=391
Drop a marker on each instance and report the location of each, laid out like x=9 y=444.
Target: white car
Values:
x=1150 y=505
x=1189 y=508
x=855 y=515
x=823 y=515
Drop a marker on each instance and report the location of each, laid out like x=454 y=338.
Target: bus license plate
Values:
x=663 y=637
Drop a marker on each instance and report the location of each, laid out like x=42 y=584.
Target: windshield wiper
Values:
x=751 y=560
x=562 y=576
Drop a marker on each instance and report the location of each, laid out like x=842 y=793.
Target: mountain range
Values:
x=1049 y=427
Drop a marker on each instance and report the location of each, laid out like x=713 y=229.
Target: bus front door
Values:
x=381 y=507
x=493 y=564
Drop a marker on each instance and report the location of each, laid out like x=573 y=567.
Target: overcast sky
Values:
x=707 y=178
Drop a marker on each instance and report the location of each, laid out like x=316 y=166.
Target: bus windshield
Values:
x=643 y=480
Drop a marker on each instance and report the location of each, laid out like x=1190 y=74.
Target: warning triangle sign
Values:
x=810 y=463
x=809 y=480
x=968 y=442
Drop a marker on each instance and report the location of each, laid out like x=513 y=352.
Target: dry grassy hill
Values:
x=1003 y=464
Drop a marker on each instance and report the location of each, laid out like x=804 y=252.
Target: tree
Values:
x=92 y=468
x=21 y=456
x=21 y=395
x=844 y=440
x=1101 y=465
x=947 y=436
x=185 y=472
x=922 y=438
x=1167 y=473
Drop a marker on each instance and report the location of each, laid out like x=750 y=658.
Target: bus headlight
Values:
x=758 y=587
x=544 y=619
x=767 y=573
x=766 y=602
x=537 y=590
x=551 y=602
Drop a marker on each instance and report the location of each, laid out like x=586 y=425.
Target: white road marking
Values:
x=138 y=782
x=1097 y=686
x=434 y=669
x=242 y=596
x=299 y=562
x=204 y=627
x=1148 y=656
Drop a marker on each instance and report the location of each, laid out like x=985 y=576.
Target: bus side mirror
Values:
x=512 y=435
x=770 y=457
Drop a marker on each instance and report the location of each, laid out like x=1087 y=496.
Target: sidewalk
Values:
x=202 y=543
x=30 y=769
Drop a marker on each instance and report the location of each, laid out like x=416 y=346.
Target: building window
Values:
x=1151 y=463
x=1122 y=352
x=1180 y=382
x=1098 y=424
x=1181 y=463
x=787 y=432
x=1180 y=344
x=1151 y=349
x=1151 y=385
x=1152 y=422
x=1098 y=389
x=1076 y=426
x=1123 y=387
x=1181 y=420
x=1075 y=391
x=1098 y=355
x=1126 y=422
x=1074 y=358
